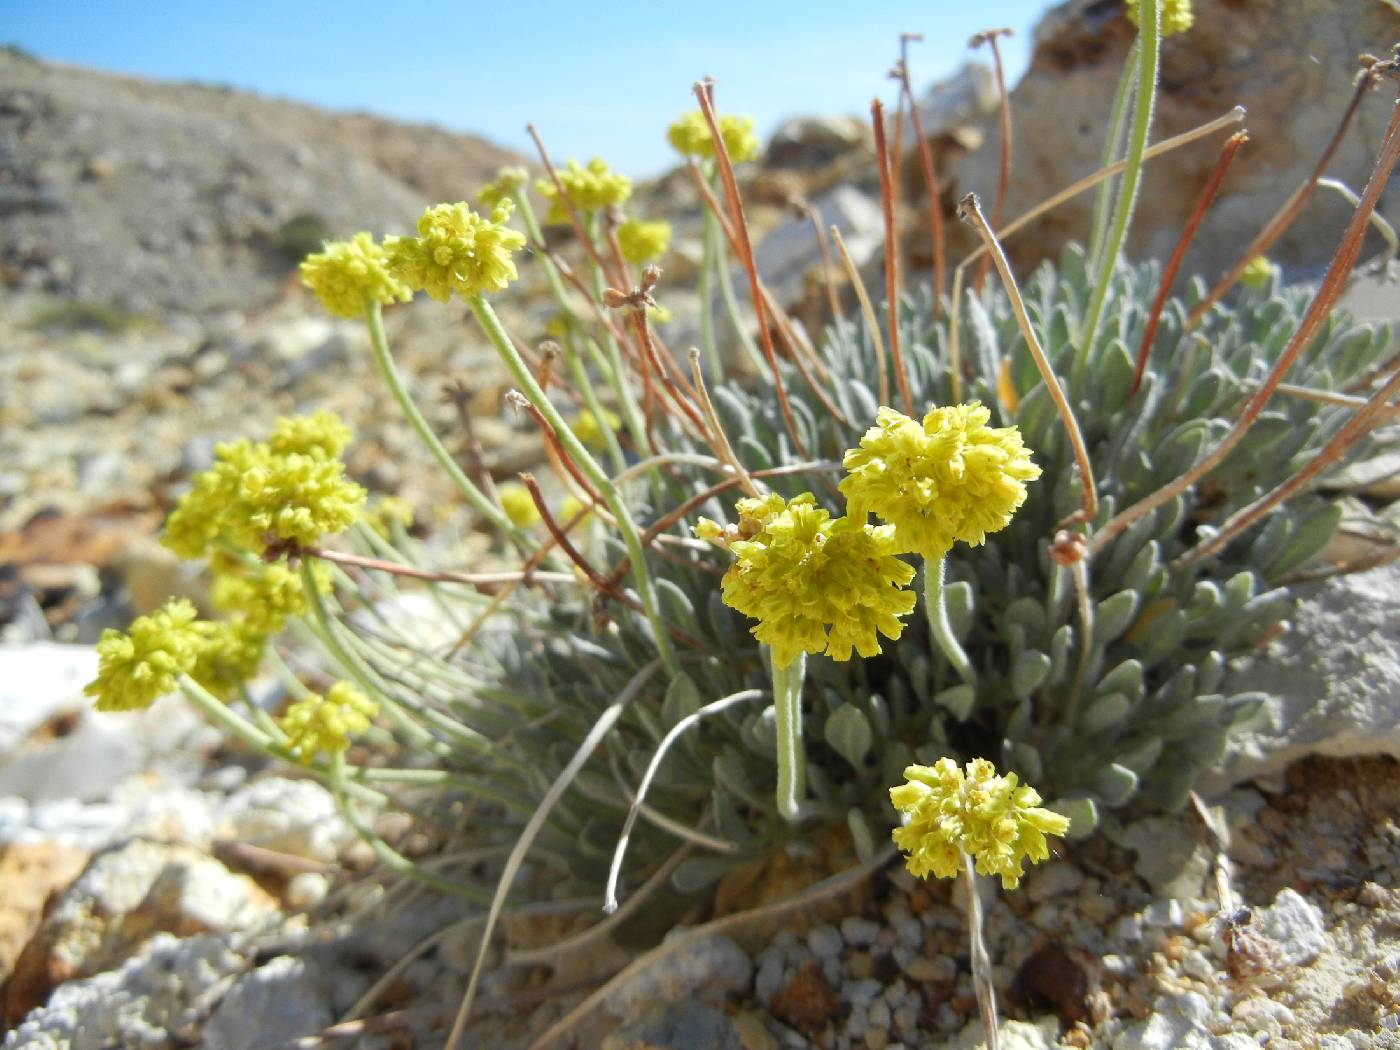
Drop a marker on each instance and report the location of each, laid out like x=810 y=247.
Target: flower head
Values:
x=326 y=723
x=346 y=274
x=589 y=189
x=140 y=665
x=952 y=478
x=991 y=818
x=643 y=241
x=814 y=584
x=508 y=180
x=1176 y=15
x=690 y=136
x=266 y=489
x=518 y=504
x=457 y=250
x=1257 y=273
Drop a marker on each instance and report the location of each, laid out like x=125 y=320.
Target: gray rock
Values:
x=789 y=250
x=711 y=969
x=1334 y=680
x=967 y=97
x=814 y=142
x=297 y=817
x=161 y=991
x=286 y=999
x=1295 y=925
x=677 y=1026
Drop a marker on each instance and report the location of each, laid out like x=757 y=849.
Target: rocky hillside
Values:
x=157 y=197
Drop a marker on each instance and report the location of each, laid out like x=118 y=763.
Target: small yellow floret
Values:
x=231 y=653
x=326 y=723
x=322 y=434
x=690 y=136
x=952 y=478
x=262 y=596
x=1257 y=273
x=383 y=512
x=346 y=274
x=814 y=583
x=991 y=818
x=1176 y=15
x=142 y=664
x=589 y=189
x=643 y=241
x=508 y=180
x=518 y=504
x=457 y=250
x=587 y=429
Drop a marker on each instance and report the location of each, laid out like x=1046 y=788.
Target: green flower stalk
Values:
x=950 y=478
x=815 y=584
x=642 y=242
x=589 y=189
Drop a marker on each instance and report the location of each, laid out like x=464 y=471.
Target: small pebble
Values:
x=825 y=942
x=862 y=993
x=880 y=1015
x=923 y=969
x=859 y=932
x=1168 y=912
x=307 y=889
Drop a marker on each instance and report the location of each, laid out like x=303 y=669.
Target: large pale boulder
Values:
x=1291 y=63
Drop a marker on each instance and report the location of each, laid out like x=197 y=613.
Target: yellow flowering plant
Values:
x=730 y=567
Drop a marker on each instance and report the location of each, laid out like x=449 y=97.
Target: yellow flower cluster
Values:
x=1257 y=273
x=1176 y=15
x=589 y=189
x=643 y=241
x=952 y=478
x=262 y=596
x=231 y=654
x=326 y=723
x=142 y=664
x=518 y=504
x=690 y=136
x=814 y=584
x=255 y=493
x=587 y=429
x=345 y=275
x=508 y=180
x=991 y=818
x=457 y=250
x=383 y=512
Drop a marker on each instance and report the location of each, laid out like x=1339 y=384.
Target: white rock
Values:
x=1295 y=925
x=1011 y=1035
x=162 y=990
x=298 y=817
x=788 y=251
x=1334 y=680
x=284 y=1000
x=1178 y=1022
x=38 y=681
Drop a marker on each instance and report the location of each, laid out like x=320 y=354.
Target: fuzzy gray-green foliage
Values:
x=1153 y=710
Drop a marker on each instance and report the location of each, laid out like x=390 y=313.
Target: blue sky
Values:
x=594 y=78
